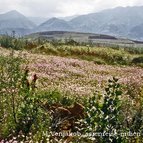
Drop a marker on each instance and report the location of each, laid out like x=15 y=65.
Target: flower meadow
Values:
x=54 y=93
x=81 y=77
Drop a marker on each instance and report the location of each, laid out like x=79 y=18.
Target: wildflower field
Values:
x=69 y=92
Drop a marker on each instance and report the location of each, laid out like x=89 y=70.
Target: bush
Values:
x=103 y=115
x=137 y=60
x=20 y=112
x=11 y=42
x=10 y=77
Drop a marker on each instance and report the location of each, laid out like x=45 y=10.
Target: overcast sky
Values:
x=62 y=8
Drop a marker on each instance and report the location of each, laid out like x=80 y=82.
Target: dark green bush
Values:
x=137 y=60
x=12 y=42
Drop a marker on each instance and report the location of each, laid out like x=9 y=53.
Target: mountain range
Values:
x=15 y=21
x=120 y=21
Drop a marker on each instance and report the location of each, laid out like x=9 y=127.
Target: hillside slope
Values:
x=54 y=24
x=117 y=21
x=15 y=21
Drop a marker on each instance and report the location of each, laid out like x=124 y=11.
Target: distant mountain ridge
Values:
x=54 y=24
x=120 y=21
x=38 y=20
x=15 y=21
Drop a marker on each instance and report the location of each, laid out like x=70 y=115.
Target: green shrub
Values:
x=20 y=111
x=99 y=62
x=10 y=77
x=12 y=42
x=103 y=115
x=137 y=60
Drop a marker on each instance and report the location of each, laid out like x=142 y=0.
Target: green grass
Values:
x=100 y=55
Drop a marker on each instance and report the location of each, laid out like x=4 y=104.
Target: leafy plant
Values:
x=103 y=115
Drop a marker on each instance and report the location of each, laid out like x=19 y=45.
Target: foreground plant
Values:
x=103 y=115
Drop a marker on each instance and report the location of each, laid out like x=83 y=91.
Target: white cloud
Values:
x=58 y=8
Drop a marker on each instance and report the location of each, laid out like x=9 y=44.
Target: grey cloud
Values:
x=50 y=8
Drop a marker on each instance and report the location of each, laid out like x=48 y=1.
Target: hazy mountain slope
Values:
x=137 y=32
x=14 y=20
x=120 y=21
x=54 y=24
x=117 y=21
x=38 y=20
x=68 y=18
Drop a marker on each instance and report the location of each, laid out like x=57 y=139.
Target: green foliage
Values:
x=110 y=122
x=10 y=77
x=71 y=42
x=16 y=43
x=137 y=60
x=99 y=61
x=51 y=97
x=134 y=50
x=20 y=113
x=103 y=114
x=99 y=55
x=12 y=42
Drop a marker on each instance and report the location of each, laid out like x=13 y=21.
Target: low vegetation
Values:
x=114 y=55
x=41 y=98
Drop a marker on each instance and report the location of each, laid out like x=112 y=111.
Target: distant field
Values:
x=87 y=38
